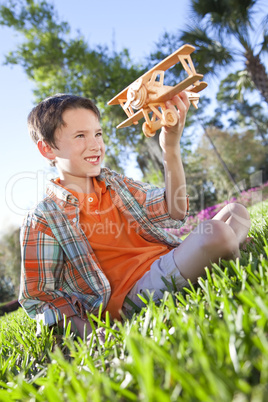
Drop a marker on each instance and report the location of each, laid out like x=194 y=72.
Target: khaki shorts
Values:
x=152 y=282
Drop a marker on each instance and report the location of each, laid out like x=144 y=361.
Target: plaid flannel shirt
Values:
x=60 y=272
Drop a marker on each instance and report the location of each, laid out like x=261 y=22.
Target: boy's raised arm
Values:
x=169 y=140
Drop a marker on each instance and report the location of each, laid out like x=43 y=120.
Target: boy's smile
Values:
x=80 y=148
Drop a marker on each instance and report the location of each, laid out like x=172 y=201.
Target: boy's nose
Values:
x=93 y=144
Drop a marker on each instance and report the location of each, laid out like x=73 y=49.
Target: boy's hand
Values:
x=169 y=138
x=77 y=325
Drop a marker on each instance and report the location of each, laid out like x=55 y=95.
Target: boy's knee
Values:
x=239 y=213
x=219 y=239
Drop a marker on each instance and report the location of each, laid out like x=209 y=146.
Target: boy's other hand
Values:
x=169 y=138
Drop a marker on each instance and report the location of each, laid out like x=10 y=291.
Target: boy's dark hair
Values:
x=46 y=117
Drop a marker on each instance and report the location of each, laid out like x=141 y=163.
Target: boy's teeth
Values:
x=92 y=159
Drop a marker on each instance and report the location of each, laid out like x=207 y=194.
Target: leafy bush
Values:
x=10 y=259
x=7 y=290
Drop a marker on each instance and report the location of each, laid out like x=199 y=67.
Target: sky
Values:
x=136 y=26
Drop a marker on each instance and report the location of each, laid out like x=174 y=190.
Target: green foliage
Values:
x=226 y=25
x=206 y=343
x=228 y=15
x=224 y=32
x=233 y=87
x=58 y=62
x=232 y=97
x=7 y=291
x=233 y=147
x=10 y=265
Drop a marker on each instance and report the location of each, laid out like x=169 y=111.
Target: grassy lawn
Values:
x=208 y=343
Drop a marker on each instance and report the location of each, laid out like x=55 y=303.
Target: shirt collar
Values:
x=57 y=192
x=60 y=194
x=99 y=186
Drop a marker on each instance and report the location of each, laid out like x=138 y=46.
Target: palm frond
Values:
x=233 y=87
x=264 y=46
x=210 y=53
x=225 y=15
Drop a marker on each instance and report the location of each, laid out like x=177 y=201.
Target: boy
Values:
x=98 y=237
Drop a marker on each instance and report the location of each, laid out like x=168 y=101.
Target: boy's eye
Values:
x=80 y=136
x=99 y=134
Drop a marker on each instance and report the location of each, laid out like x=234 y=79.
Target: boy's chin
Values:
x=94 y=174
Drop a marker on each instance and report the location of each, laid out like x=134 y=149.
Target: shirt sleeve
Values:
x=157 y=210
x=153 y=201
x=41 y=293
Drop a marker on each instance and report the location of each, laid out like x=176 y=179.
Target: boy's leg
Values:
x=152 y=282
x=209 y=241
x=237 y=217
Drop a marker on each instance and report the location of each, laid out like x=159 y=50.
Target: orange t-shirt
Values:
x=123 y=254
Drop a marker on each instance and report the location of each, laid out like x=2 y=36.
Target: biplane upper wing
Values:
x=164 y=65
x=128 y=122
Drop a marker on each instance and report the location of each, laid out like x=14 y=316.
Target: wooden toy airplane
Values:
x=148 y=93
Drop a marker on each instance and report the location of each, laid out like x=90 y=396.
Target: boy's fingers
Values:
x=180 y=102
x=182 y=99
x=170 y=105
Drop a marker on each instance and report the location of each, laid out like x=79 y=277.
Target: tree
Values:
x=226 y=32
x=236 y=99
x=7 y=291
x=231 y=97
x=243 y=155
x=10 y=264
x=58 y=63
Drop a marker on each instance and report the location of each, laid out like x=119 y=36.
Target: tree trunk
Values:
x=257 y=73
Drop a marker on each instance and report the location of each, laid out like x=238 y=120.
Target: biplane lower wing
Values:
x=128 y=122
x=181 y=87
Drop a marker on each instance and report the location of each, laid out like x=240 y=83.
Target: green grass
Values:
x=208 y=343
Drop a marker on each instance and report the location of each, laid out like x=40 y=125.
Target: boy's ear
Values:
x=45 y=150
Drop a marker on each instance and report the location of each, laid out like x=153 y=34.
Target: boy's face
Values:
x=80 y=146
